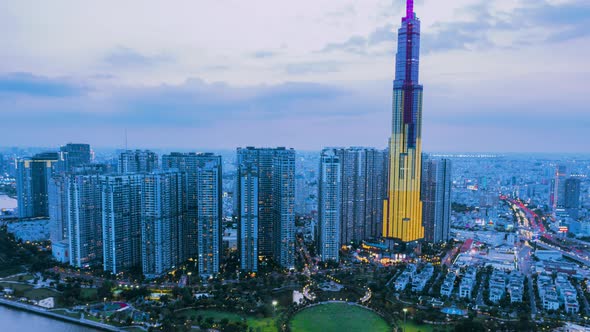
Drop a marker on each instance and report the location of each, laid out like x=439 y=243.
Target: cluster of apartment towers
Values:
x=156 y=215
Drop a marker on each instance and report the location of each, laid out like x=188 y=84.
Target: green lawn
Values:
x=65 y=313
x=16 y=287
x=216 y=315
x=40 y=294
x=336 y=317
x=88 y=293
x=22 y=278
x=413 y=327
x=257 y=324
x=262 y=324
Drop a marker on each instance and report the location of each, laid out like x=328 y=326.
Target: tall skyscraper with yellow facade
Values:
x=402 y=214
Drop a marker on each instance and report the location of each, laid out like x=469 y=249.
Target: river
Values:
x=17 y=320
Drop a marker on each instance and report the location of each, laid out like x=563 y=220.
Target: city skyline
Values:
x=328 y=77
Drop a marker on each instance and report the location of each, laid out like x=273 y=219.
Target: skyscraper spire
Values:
x=410 y=9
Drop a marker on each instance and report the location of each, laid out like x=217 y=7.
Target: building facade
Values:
x=32 y=184
x=363 y=189
x=572 y=197
x=74 y=155
x=209 y=218
x=202 y=225
x=436 y=198
x=557 y=193
x=163 y=207
x=121 y=221
x=329 y=206
x=84 y=202
x=403 y=208
x=266 y=182
x=137 y=161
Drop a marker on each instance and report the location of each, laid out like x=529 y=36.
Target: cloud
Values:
x=26 y=84
x=355 y=44
x=312 y=68
x=264 y=54
x=126 y=57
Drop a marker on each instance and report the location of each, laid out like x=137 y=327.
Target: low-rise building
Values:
x=448 y=284
x=468 y=282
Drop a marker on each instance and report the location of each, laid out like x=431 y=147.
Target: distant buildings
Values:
x=266 y=201
x=329 y=206
x=137 y=161
x=74 y=155
x=557 y=193
x=436 y=199
x=572 y=197
x=32 y=181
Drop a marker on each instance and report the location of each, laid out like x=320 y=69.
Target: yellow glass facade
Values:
x=402 y=210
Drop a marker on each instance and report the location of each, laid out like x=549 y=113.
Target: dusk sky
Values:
x=498 y=75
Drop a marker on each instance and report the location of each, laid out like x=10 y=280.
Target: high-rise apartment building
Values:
x=364 y=175
x=266 y=182
x=202 y=226
x=403 y=208
x=163 y=207
x=84 y=213
x=572 y=196
x=283 y=241
x=32 y=184
x=329 y=205
x=209 y=192
x=436 y=198
x=73 y=155
x=121 y=221
x=137 y=161
x=247 y=211
x=557 y=193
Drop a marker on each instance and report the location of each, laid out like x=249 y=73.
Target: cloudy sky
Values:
x=498 y=75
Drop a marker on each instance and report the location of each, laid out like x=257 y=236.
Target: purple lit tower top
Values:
x=410 y=9
x=407 y=90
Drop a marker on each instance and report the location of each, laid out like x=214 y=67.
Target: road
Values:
x=532 y=297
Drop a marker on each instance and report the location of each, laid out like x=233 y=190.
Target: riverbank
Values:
x=50 y=314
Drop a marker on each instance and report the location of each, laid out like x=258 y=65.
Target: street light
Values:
x=405 y=313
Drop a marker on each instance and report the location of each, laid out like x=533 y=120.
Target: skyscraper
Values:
x=163 y=206
x=329 y=205
x=73 y=155
x=363 y=172
x=247 y=184
x=402 y=218
x=203 y=190
x=137 y=161
x=32 y=182
x=121 y=221
x=209 y=192
x=436 y=198
x=572 y=196
x=266 y=182
x=557 y=194
x=283 y=193
x=84 y=201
